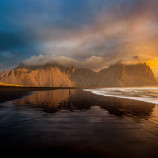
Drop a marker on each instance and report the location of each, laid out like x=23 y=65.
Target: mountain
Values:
x=83 y=77
x=127 y=75
x=117 y=75
x=47 y=76
x=54 y=75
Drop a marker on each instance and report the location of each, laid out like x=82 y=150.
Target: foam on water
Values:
x=146 y=94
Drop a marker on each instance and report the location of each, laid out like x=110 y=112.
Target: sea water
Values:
x=146 y=94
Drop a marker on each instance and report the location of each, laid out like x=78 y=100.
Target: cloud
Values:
x=95 y=63
x=119 y=33
x=44 y=59
x=91 y=33
x=125 y=32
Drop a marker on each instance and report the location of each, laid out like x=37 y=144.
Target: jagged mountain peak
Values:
x=34 y=67
x=46 y=76
x=52 y=74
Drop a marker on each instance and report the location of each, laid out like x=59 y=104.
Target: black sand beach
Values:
x=76 y=123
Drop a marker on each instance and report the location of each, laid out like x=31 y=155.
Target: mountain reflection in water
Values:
x=49 y=100
x=73 y=100
x=78 y=123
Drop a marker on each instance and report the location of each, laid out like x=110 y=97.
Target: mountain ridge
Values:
x=54 y=75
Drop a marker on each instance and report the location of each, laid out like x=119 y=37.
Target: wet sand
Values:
x=76 y=124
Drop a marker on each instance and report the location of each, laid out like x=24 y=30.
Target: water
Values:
x=147 y=94
x=79 y=123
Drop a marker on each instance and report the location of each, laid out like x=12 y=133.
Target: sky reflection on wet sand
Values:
x=79 y=124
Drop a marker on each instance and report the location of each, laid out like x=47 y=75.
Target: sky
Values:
x=85 y=33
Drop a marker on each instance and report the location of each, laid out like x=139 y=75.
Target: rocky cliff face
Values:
x=50 y=76
x=53 y=75
x=127 y=75
x=118 y=75
x=83 y=77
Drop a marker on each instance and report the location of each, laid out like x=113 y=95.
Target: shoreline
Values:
x=128 y=98
x=143 y=94
x=5 y=92
x=73 y=87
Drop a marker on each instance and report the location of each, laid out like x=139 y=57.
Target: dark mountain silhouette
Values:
x=127 y=75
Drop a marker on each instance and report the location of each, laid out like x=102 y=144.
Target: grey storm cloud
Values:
x=78 y=32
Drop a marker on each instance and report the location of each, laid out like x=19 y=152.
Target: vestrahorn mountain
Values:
x=54 y=75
